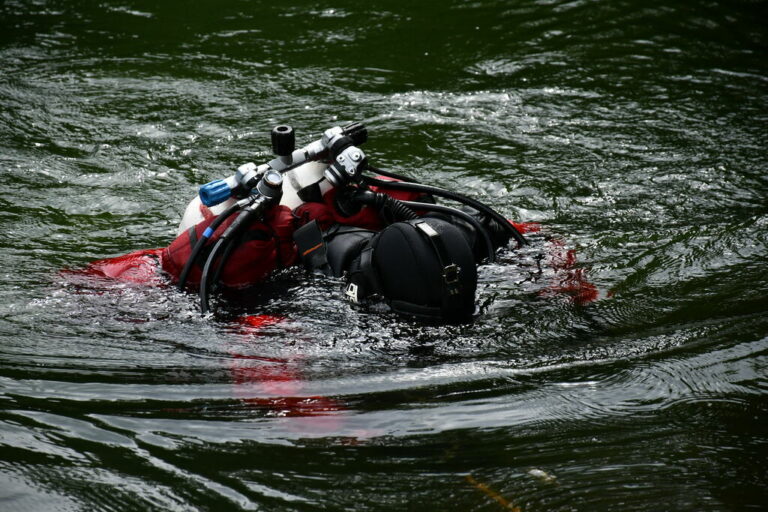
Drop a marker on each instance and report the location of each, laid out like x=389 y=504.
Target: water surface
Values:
x=634 y=132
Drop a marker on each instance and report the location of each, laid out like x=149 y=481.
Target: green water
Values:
x=634 y=132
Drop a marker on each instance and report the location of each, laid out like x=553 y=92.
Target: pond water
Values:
x=633 y=132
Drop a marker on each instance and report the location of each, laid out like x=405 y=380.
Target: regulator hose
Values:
x=226 y=253
x=417 y=187
x=268 y=192
x=204 y=280
x=463 y=216
x=379 y=201
x=208 y=233
x=227 y=242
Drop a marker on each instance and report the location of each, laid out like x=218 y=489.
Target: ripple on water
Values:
x=637 y=148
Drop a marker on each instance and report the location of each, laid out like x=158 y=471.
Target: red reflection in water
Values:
x=569 y=280
x=277 y=384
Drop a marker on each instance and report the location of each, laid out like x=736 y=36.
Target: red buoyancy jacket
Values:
x=264 y=246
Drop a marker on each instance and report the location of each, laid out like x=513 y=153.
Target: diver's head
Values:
x=422 y=268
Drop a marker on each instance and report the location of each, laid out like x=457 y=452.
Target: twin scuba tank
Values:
x=334 y=156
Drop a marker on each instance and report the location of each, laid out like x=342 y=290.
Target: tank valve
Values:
x=283 y=142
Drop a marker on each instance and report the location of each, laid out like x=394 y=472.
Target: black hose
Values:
x=231 y=246
x=398 y=209
x=379 y=201
x=462 y=215
x=218 y=221
x=404 y=210
x=417 y=187
x=206 y=270
x=227 y=240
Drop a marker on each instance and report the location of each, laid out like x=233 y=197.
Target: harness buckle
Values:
x=451 y=273
x=351 y=292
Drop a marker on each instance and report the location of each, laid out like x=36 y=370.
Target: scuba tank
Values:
x=302 y=169
x=299 y=185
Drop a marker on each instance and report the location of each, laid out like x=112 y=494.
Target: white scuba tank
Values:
x=294 y=180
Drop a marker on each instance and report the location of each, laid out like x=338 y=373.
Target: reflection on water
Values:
x=632 y=133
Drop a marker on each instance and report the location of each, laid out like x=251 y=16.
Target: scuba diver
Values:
x=385 y=236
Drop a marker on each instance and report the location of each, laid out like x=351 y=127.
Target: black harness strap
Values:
x=366 y=265
x=192 y=234
x=450 y=271
x=311 y=244
x=311 y=193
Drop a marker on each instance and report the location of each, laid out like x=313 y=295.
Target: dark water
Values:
x=635 y=132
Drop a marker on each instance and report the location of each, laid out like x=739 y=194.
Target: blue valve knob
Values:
x=215 y=192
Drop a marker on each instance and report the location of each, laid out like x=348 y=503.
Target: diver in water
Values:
x=385 y=236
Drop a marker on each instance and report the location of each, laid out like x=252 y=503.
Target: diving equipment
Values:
x=298 y=176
